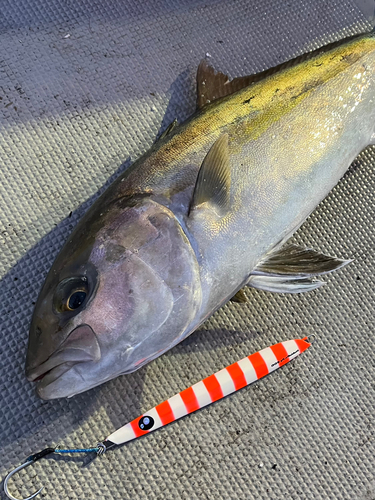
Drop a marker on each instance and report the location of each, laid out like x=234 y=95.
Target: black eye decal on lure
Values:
x=146 y=423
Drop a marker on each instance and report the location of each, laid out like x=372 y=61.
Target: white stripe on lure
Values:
x=207 y=391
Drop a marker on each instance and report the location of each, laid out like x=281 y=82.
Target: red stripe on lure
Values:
x=224 y=382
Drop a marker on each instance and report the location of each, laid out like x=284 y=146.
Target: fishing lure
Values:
x=211 y=389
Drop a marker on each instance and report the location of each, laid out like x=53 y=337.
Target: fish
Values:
x=207 y=211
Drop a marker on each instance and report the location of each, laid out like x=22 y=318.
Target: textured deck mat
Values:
x=85 y=87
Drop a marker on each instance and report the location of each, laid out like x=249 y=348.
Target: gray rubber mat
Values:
x=85 y=88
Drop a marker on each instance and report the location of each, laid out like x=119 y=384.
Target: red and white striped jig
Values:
x=211 y=389
x=207 y=391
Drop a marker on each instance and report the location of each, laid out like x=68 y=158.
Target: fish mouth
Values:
x=80 y=347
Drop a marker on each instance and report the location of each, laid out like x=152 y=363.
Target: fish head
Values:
x=123 y=290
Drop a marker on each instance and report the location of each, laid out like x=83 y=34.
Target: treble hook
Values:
x=27 y=462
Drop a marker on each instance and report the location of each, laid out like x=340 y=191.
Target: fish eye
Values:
x=76 y=299
x=71 y=294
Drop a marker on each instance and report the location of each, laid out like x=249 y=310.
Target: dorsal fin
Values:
x=169 y=129
x=213 y=181
x=212 y=85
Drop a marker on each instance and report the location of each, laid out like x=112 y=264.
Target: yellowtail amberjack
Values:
x=205 y=212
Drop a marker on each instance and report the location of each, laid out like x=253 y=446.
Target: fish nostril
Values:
x=38 y=331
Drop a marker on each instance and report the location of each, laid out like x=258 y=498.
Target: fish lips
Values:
x=81 y=346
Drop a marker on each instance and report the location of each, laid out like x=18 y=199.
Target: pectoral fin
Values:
x=213 y=181
x=284 y=284
x=294 y=261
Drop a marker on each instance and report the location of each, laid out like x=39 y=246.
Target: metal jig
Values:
x=216 y=386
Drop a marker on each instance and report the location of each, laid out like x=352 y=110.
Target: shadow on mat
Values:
x=19 y=290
